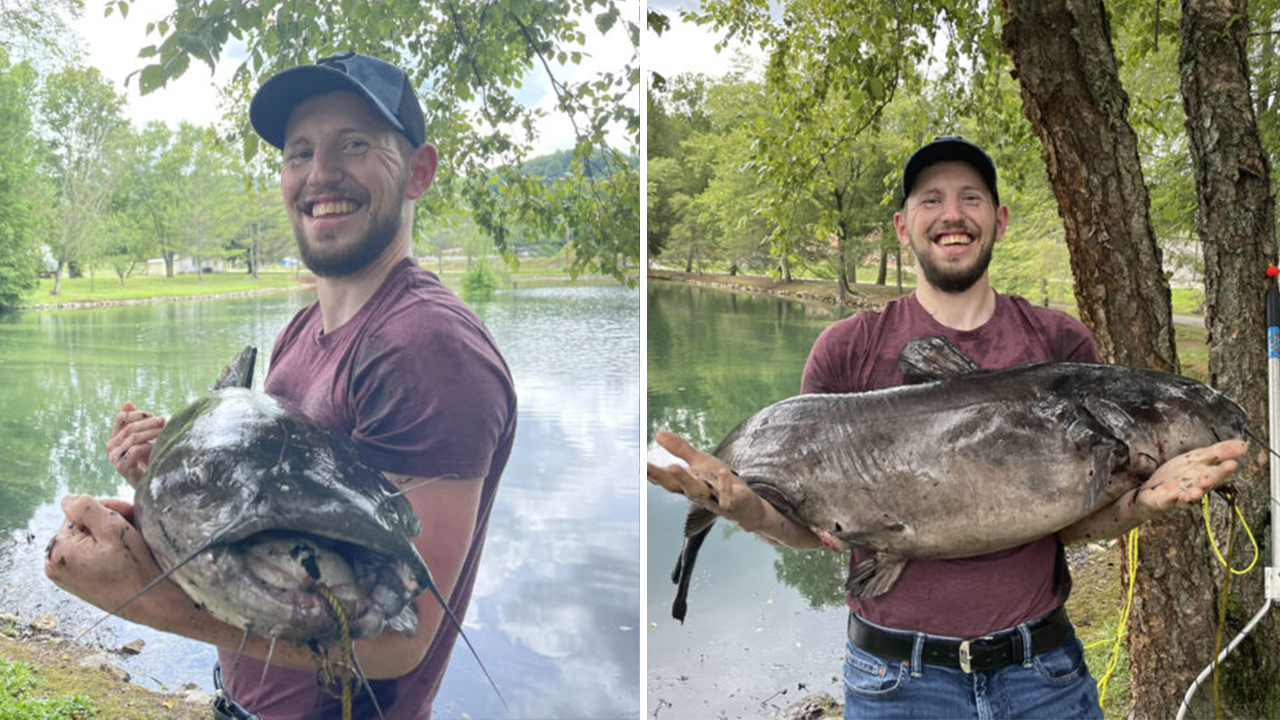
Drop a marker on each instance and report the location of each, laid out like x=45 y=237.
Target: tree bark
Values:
x=1235 y=223
x=1074 y=100
x=1071 y=92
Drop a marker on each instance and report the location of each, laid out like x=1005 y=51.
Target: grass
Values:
x=107 y=288
x=22 y=697
x=41 y=677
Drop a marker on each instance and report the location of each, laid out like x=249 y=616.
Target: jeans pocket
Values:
x=1062 y=665
x=868 y=676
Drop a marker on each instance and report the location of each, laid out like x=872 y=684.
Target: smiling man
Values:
x=387 y=355
x=906 y=653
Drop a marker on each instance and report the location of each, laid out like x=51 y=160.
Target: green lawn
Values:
x=108 y=287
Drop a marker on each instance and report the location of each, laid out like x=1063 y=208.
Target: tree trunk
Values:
x=785 y=263
x=168 y=262
x=1235 y=223
x=883 y=274
x=1073 y=98
x=1072 y=95
x=897 y=261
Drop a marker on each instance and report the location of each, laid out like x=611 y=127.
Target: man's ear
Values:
x=422 y=170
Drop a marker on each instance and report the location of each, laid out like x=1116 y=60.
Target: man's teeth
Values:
x=321 y=209
x=954 y=239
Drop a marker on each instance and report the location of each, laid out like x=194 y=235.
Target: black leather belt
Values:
x=984 y=653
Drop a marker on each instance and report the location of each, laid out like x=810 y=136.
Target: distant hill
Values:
x=556 y=164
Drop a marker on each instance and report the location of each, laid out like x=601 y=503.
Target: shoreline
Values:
x=305 y=283
x=90 y=304
x=63 y=666
x=865 y=296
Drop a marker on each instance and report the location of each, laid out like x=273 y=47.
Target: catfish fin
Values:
x=1143 y=453
x=874 y=575
x=239 y=373
x=933 y=357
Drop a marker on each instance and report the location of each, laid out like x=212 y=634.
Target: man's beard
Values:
x=340 y=262
x=954 y=281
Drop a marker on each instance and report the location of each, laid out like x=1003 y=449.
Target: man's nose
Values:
x=952 y=209
x=326 y=168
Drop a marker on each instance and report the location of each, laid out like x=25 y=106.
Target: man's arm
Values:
x=1184 y=479
x=710 y=483
x=99 y=556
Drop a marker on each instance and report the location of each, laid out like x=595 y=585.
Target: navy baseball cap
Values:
x=942 y=149
x=385 y=86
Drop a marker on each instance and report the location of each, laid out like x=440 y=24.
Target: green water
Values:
x=765 y=625
x=559 y=580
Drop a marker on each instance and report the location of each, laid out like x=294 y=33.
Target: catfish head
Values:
x=1157 y=415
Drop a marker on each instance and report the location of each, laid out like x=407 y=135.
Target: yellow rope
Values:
x=1114 y=659
x=326 y=668
x=1204 y=507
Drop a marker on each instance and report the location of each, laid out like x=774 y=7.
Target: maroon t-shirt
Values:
x=966 y=597
x=417 y=381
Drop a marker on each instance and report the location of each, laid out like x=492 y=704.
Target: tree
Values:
x=18 y=219
x=82 y=114
x=468 y=59
x=1236 y=226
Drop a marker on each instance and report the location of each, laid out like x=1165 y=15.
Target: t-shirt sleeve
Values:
x=432 y=397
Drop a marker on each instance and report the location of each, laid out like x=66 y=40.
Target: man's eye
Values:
x=929 y=202
x=355 y=145
x=298 y=156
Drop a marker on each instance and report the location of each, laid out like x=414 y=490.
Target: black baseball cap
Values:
x=385 y=86
x=942 y=149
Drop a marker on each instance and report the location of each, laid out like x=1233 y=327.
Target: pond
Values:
x=765 y=625
x=555 y=610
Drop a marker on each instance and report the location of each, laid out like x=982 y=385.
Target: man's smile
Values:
x=334 y=208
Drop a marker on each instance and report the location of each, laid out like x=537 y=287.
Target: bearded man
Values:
x=904 y=654
x=386 y=355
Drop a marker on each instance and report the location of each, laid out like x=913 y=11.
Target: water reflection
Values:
x=764 y=624
x=559 y=579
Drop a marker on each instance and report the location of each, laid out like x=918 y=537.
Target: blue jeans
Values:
x=1054 y=684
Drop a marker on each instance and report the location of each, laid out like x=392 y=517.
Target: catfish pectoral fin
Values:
x=874 y=575
x=405 y=621
x=697 y=522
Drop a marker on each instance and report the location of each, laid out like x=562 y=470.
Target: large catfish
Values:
x=275 y=525
x=964 y=462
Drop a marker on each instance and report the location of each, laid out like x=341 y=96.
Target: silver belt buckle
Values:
x=966 y=657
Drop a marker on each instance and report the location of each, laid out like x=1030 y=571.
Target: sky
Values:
x=688 y=47
x=111 y=44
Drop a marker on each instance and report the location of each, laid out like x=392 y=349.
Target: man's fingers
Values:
x=86 y=511
x=123 y=507
x=677 y=446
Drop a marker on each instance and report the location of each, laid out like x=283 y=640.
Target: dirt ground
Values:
x=57 y=662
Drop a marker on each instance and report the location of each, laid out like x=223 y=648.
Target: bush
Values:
x=479 y=281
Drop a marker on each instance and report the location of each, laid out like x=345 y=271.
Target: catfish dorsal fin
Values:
x=239 y=373
x=933 y=357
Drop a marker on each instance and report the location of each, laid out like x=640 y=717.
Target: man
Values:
x=386 y=355
x=951 y=218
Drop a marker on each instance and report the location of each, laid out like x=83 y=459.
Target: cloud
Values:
x=690 y=48
x=111 y=44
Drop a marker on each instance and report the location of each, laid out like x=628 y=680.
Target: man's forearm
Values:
x=778 y=529
x=1108 y=522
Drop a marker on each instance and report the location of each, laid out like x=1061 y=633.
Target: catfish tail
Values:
x=697 y=525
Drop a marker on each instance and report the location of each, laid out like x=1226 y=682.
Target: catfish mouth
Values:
x=284 y=584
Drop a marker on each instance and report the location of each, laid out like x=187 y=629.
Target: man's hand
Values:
x=708 y=482
x=98 y=555
x=132 y=437
x=1183 y=479
x=1187 y=477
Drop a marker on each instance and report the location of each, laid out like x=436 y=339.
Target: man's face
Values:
x=344 y=181
x=951 y=225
